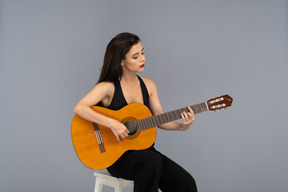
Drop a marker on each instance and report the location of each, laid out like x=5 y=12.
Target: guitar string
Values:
x=153 y=121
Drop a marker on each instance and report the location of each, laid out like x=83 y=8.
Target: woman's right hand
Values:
x=119 y=130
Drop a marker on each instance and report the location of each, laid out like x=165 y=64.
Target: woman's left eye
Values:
x=137 y=56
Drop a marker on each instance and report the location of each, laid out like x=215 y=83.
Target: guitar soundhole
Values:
x=129 y=122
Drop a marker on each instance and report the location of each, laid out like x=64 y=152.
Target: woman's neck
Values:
x=129 y=78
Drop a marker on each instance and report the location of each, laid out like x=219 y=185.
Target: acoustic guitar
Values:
x=96 y=145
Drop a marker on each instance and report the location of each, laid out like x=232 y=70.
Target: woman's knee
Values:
x=151 y=158
x=188 y=184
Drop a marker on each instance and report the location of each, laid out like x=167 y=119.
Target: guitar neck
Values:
x=153 y=121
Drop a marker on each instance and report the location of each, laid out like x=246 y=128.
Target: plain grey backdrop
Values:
x=51 y=54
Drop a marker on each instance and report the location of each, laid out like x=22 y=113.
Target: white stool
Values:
x=104 y=178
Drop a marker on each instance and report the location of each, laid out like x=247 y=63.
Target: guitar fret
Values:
x=162 y=119
x=204 y=106
x=156 y=121
x=140 y=125
x=175 y=115
x=143 y=124
x=152 y=120
x=147 y=122
x=152 y=123
x=196 y=109
x=165 y=117
x=170 y=116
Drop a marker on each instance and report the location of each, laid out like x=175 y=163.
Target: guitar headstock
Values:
x=220 y=102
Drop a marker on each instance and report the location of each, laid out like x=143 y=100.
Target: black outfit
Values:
x=149 y=168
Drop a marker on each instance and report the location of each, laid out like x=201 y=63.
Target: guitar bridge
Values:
x=99 y=138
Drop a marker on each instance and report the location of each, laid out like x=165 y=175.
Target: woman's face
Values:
x=135 y=59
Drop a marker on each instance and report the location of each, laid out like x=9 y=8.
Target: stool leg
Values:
x=98 y=185
x=118 y=187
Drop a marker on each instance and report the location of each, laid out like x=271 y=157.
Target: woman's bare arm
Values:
x=101 y=92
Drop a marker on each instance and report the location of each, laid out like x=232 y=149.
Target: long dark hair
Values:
x=116 y=51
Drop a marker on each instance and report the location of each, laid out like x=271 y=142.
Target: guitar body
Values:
x=86 y=143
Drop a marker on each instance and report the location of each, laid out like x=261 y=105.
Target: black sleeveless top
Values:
x=119 y=101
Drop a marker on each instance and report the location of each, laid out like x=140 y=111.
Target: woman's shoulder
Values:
x=150 y=84
x=105 y=86
x=148 y=81
x=106 y=90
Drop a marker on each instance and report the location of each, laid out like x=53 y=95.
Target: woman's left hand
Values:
x=187 y=119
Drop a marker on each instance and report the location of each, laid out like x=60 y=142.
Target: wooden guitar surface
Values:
x=87 y=145
x=98 y=148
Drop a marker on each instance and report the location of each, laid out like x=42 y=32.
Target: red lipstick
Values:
x=142 y=65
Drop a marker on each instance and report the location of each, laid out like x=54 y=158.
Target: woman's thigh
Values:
x=132 y=162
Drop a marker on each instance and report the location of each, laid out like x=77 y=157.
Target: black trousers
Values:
x=151 y=170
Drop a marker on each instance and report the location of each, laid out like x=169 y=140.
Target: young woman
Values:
x=118 y=86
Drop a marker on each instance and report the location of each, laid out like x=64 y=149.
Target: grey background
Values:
x=51 y=53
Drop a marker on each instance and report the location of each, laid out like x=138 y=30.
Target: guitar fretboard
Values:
x=153 y=121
